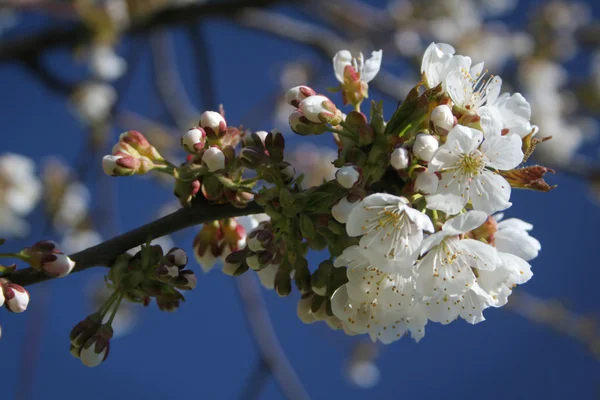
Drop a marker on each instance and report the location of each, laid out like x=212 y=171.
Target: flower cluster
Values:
x=410 y=217
x=436 y=252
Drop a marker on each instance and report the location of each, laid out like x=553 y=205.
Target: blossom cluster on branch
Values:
x=411 y=220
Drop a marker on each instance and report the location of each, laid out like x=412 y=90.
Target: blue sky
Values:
x=204 y=350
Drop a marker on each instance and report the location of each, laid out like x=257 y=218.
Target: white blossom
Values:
x=465 y=163
x=389 y=227
x=366 y=69
x=20 y=193
x=94 y=102
x=105 y=64
x=447 y=268
x=513 y=237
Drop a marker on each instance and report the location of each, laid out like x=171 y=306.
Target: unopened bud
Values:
x=177 y=257
x=348 y=176
x=283 y=282
x=251 y=158
x=302 y=126
x=262 y=135
x=186 y=190
x=287 y=172
x=296 y=94
x=57 y=264
x=169 y=302
x=214 y=159
x=442 y=118
x=120 y=165
x=425 y=146
x=275 y=145
x=16 y=298
x=139 y=142
x=304 y=312
x=320 y=109
x=186 y=280
x=426 y=183
x=213 y=123
x=207 y=246
x=259 y=239
x=85 y=330
x=399 y=158
x=194 y=140
x=95 y=350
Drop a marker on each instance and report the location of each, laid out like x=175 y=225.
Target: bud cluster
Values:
x=46 y=256
x=313 y=111
x=132 y=155
x=90 y=340
x=150 y=274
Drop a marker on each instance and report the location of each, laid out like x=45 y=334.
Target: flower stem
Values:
x=14 y=255
x=116 y=308
x=106 y=306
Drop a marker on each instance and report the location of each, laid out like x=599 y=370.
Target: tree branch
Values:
x=104 y=254
x=32 y=46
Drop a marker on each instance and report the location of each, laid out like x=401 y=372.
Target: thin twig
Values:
x=36 y=44
x=171 y=91
x=255 y=381
x=203 y=66
x=324 y=40
x=266 y=340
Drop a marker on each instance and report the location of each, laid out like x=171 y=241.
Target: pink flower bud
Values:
x=425 y=146
x=214 y=159
x=57 y=264
x=442 y=118
x=194 y=140
x=296 y=94
x=399 y=158
x=320 y=109
x=16 y=298
x=348 y=176
x=125 y=165
x=207 y=245
x=139 y=142
x=302 y=126
x=213 y=123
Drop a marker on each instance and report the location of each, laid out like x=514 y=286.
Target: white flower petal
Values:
x=504 y=152
x=371 y=67
x=464 y=223
x=490 y=192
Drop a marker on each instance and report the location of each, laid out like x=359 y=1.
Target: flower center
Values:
x=471 y=164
